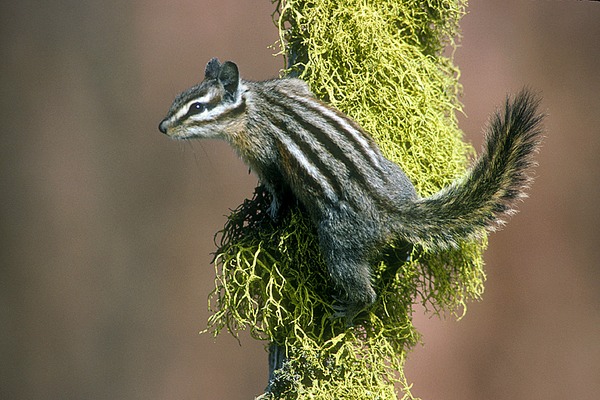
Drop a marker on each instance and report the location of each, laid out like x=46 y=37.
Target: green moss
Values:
x=383 y=64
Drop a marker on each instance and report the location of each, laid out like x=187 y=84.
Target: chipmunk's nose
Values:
x=163 y=126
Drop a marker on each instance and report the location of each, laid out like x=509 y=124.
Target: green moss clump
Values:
x=383 y=64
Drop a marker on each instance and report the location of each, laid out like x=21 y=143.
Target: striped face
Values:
x=200 y=111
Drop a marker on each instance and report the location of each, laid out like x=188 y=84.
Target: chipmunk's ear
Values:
x=212 y=69
x=229 y=77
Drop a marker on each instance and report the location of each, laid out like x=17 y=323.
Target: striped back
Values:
x=323 y=152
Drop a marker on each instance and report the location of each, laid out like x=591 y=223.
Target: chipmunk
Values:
x=358 y=200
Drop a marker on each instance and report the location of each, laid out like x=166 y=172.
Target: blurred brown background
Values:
x=107 y=225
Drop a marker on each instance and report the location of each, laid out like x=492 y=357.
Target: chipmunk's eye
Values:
x=196 y=108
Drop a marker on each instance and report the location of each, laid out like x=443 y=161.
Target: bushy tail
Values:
x=488 y=192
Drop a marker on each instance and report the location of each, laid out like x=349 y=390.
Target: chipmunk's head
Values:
x=210 y=109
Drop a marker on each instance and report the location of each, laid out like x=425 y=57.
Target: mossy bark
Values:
x=385 y=64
